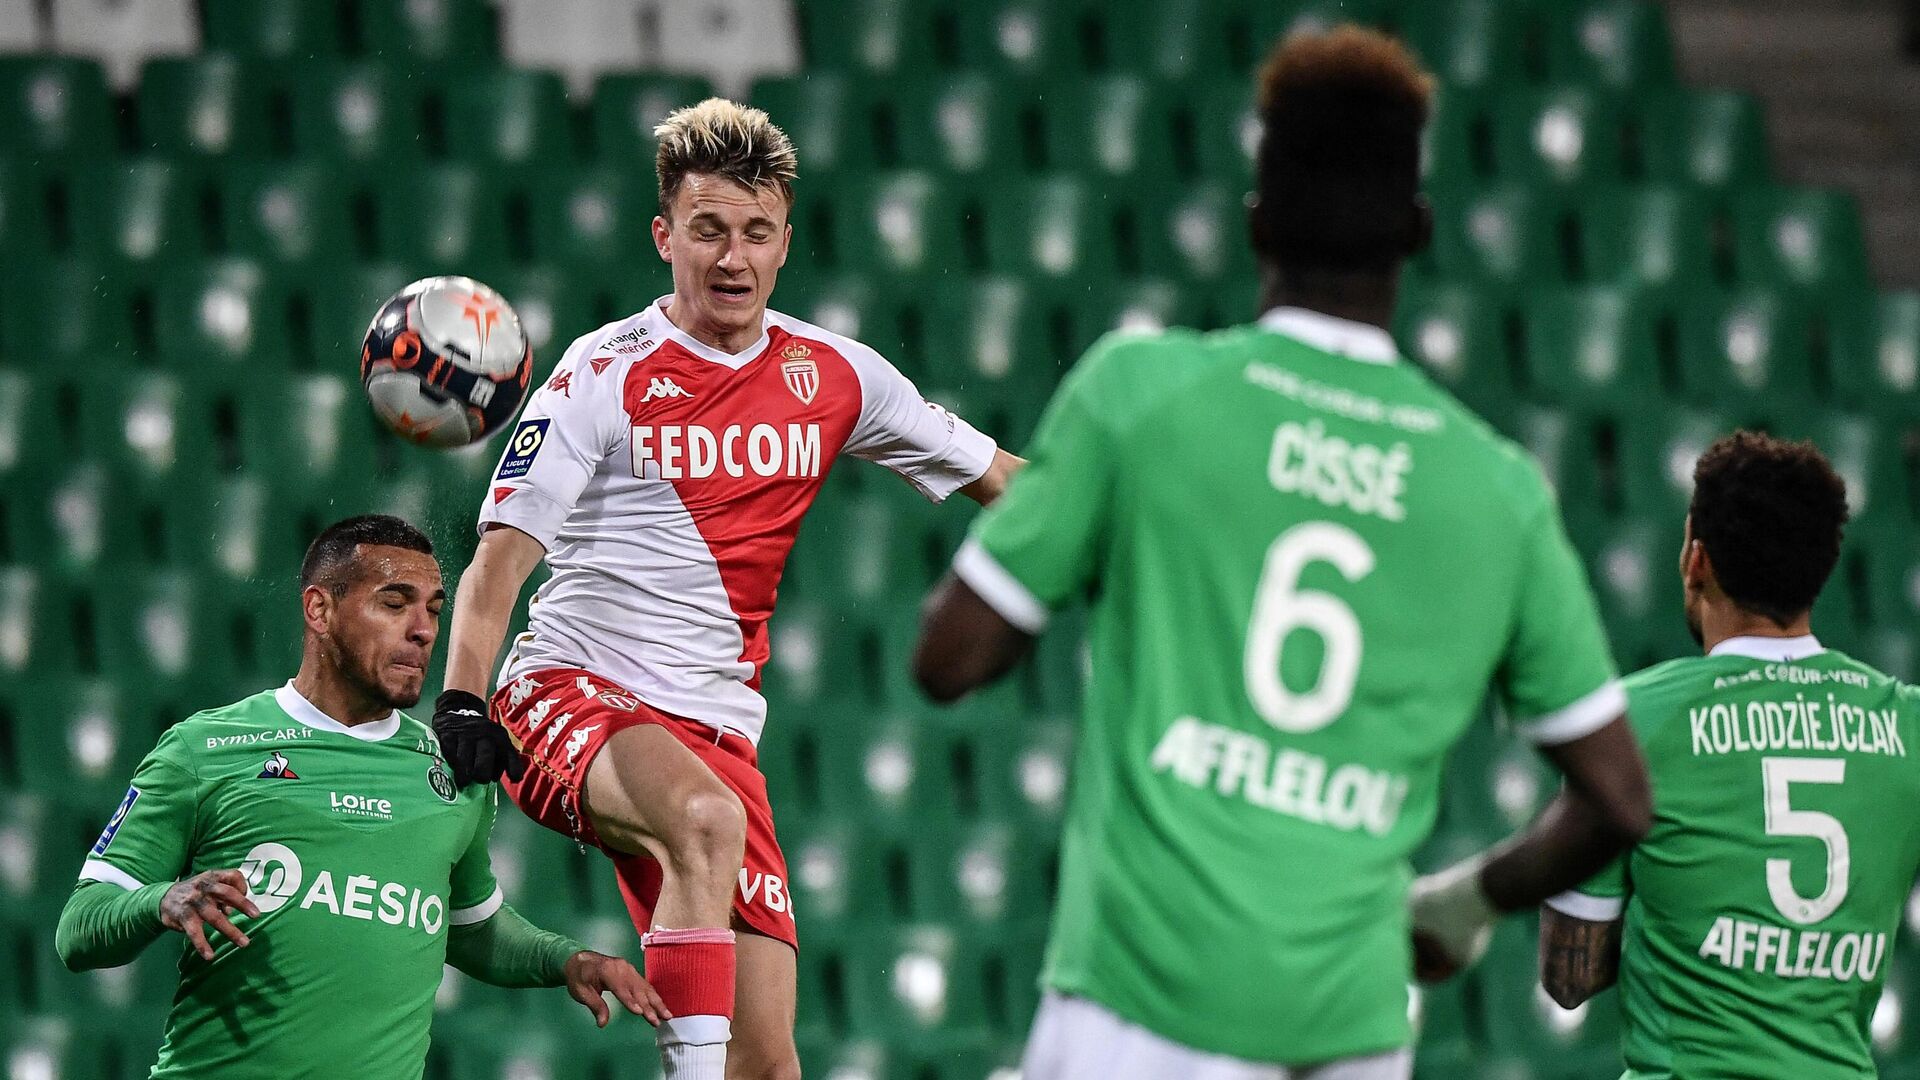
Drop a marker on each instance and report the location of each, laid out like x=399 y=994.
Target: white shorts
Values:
x=1076 y=1039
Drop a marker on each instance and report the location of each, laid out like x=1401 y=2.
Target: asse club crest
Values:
x=440 y=780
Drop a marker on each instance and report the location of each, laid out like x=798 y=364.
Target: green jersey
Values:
x=1760 y=909
x=1308 y=566
x=359 y=852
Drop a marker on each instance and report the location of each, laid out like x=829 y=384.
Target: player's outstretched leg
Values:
x=763 y=1013
x=646 y=793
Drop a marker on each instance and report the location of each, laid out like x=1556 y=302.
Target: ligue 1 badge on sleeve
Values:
x=440 y=780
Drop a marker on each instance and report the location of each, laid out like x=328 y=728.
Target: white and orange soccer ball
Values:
x=446 y=362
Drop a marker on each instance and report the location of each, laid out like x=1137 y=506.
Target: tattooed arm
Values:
x=1578 y=958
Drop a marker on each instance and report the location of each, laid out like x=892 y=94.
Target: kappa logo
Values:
x=578 y=742
x=802 y=374
x=519 y=692
x=277 y=767
x=664 y=388
x=563 y=382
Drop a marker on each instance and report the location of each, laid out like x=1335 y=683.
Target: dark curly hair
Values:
x=1338 y=167
x=1770 y=514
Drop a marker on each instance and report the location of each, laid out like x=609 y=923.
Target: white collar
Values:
x=1328 y=333
x=295 y=705
x=1778 y=649
x=704 y=351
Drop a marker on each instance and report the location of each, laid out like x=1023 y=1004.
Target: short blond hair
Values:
x=724 y=138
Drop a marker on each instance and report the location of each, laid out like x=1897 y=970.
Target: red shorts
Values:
x=561 y=717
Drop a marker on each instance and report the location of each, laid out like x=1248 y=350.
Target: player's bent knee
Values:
x=711 y=828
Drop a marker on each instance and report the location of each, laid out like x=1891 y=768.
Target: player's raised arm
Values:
x=567 y=429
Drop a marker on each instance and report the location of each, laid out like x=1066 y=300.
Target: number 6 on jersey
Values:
x=1281 y=607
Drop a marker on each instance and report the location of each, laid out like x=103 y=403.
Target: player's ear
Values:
x=662 y=233
x=786 y=243
x=316 y=608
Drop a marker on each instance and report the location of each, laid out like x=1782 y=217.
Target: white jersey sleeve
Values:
x=570 y=425
x=936 y=451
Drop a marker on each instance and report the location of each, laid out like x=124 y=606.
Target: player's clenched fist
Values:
x=204 y=900
x=477 y=748
x=591 y=974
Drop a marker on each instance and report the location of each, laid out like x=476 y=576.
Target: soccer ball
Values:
x=446 y=362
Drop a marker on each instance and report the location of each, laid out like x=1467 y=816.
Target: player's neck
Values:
x=1357 y=296
x=1723 y=622
x=325 y=689
x=730 y=342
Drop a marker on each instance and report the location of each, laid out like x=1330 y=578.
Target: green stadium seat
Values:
x=213 y=317
x=58 y=309
x=285 y=213
x=1095 y=307
x=917 y=986
x=1590 y=349
x=1021 y=772
x=367 y=114
x=1890 y=564
x=1166 y=39
x=1456 y=145
x=24 y=191
x=1020 y=37
x=856 y=307
x=1457 y=334
x=1655 y=455
x=1868 y=456
x=862 y=37
x=1800 y=238
x=505 y=117
x=1226 y=131
x=1193 y=232
x=80 y=739
x=599 y=217
x=1565 y=135
x=1118 y=126
x=1269 y=23
x=147 y=427
x=136 y=209
x=435 y=31
x=274 y=29
x=1623 y=44
x=885 y=774
x=440 y=219
x=1745 y=345
x=53 y=107
x=314 y=434
x=37 y=636
x=1506 y=233
x=341 y=307
x=54 y=1046
x=1049 y=227
x=983 y=876
x=210 y=105
x=1469 y=43
x=1658 y=237
x=904 y=222
x=552 y=309
x=963 y=124
x=626 y=109
x=1715 y=139
x=829 y=115
x=1875 y=354
x=840 y=870
x=1001 y=335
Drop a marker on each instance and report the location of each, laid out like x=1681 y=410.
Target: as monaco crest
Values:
x=802 y=374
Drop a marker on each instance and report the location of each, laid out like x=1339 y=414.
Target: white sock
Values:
x=694 y=1047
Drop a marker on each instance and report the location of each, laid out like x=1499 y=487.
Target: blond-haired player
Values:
x=662 y=472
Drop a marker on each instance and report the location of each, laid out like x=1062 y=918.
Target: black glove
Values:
x=478 y=749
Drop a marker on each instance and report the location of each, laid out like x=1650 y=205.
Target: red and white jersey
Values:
x=667 y=480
